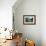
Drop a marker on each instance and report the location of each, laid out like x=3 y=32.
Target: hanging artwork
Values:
x=29 y=19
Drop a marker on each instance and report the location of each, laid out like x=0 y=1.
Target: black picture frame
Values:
x=29 y=19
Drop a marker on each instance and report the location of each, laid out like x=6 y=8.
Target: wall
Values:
x=6 y=13
x=28 y=7
x=43 y=22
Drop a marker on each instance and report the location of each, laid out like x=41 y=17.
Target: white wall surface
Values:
x=36 y=32
x=43 y=22
x=6 y=13
x=28 y=7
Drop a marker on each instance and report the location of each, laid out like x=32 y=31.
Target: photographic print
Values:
x=29 y=19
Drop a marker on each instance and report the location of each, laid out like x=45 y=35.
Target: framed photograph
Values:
x=29 y=19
